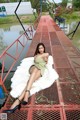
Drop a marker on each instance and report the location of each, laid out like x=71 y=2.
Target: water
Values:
x=70 y=27
x=76 y=37
x=7 y=37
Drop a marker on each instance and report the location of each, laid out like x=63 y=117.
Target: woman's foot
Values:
x=15 y=106
x=25 y=101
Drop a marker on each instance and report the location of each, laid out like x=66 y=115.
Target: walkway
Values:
x=62 y=100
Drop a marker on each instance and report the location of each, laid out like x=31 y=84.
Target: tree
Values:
x=35 y=4
x=64 y=3
x=2 y=1
x=76 y=3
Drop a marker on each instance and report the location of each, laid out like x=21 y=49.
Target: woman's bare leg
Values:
x=17 y=101
x=34 y=75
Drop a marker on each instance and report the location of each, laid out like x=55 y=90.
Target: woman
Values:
x=36 y=71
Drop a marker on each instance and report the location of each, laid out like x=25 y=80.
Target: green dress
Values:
x=40 y=64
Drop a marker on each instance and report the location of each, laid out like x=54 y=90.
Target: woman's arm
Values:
x=46 y=55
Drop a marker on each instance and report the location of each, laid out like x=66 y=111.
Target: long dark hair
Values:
x=37 y=48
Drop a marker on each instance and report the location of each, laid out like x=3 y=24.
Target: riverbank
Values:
x=12 y=20
x=30 y=18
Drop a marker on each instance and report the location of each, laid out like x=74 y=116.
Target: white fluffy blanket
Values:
x=21 y=77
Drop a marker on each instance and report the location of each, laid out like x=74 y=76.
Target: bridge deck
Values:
x=62 y=100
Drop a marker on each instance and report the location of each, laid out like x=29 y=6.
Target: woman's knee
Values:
x=38 y=74
x=33 y=70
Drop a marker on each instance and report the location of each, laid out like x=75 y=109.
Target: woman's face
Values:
x=41 y=49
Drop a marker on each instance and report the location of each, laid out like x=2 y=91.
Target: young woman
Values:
x=36 y=71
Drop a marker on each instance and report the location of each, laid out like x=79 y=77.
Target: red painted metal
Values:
x=21 y=41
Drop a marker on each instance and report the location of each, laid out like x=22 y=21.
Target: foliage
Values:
x=2 y=1
x=35 y=4
x=11 y=19
x=64 y=3
x=76 y=4
x=70 y=17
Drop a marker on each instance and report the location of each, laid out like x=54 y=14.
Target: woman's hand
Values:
x=46 y=57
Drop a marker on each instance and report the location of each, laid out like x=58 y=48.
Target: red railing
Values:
x=17 y=47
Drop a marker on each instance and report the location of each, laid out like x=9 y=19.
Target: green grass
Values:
x=72 y=16
x=12 y=20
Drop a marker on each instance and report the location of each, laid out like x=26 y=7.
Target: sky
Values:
x=56 y=1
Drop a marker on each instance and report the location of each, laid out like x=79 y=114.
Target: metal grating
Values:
x=44 y=97
x=71 y=93
x=44 y=29
x=46 y=115
x=57 y=28
x=75 y=61
x=78 y=72
x=65 y=41
x=73 y=114
x=19 y=115
x=67 y=75
x=58 y=51
x=71 y=52
x=54 y=38
x=36 y=37
x=45 y=37
x=61 y=63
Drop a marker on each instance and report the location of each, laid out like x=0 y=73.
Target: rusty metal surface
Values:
x=45 y=98
x=54 y=39
x=73 y=114
x=67 y=75
x=71 y=93
x=19 y=115
x=59 y=101
x=62 y=62
x=71 y=52
x=44 y=28
x=57 y=28
x=78 y=72
x=58 y=52
x=46 y=115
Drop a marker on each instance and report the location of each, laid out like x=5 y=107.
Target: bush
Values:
x=73 y=15
x=76 y=3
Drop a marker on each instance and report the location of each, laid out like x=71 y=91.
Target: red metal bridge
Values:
x=61 y=101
